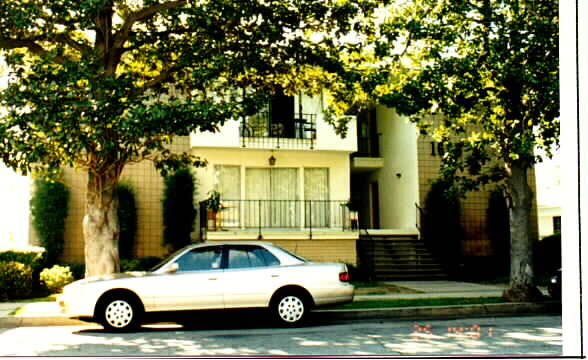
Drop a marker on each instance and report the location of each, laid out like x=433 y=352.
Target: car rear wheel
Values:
x=290 y=308
x=120 y=313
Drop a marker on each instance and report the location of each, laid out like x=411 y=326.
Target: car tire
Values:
x=290 y=308
x=120 y=313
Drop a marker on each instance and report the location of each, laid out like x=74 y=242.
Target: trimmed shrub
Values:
x=139 y=264
x=498 y=225
x=77 y=270
x=49 y=207
x=127 y=219
x=547 y=255
x=441 y=224
x=34 y=259
x=56 y=277
x=16 y=280
x=179 y=211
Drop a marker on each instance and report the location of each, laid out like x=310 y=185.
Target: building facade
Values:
x=285 y=176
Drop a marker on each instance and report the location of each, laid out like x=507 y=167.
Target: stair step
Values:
x=400 y=257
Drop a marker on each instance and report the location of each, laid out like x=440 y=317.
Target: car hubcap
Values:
x=291 y=309
x=119 y=314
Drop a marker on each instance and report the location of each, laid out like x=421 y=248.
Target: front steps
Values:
x=388 y=257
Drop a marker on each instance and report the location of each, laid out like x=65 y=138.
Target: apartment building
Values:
x=285 y=176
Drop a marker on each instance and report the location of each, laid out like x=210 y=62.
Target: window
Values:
x=200 y=259
x=270 y=193
x=250 y=256
x=316 y=196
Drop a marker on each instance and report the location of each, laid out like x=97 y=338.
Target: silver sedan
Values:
x=218 y=275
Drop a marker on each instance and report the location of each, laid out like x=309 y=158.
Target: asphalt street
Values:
x=521 y=335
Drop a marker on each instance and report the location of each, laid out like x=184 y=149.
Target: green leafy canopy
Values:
x=94 y=83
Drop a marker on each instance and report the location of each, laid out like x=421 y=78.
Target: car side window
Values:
x=251 y=256
x=200 y=259
x=268 y=258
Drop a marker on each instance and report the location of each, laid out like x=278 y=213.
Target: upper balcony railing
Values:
x=263 y=131
x=287 y=215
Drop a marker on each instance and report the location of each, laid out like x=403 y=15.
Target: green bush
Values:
x=34 y=259
x=498 y=225
x=16 y=280
x=139 y=264
x=56 y=277
x=77 y=270
x=49 y=207
x=179 y=211
x=441 y=224
x=547 y=255
x=127 y=218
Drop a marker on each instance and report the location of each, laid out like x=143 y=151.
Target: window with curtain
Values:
x=272 y=197
x=228 y=184
x=316 y=196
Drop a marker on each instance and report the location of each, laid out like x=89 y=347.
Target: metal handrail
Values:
x=303 y=215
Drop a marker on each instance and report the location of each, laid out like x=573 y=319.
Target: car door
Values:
x=251 y=277
x=196 y=284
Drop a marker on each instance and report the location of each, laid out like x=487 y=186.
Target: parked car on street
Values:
x=554 y=287
x=212 y=275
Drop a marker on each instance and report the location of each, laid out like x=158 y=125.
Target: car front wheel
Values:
x=290 y=308
x=120 y=313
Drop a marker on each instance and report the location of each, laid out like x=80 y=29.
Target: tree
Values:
x=99 y=84
x=481 y=77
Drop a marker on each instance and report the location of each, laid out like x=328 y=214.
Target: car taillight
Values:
x=344 y=276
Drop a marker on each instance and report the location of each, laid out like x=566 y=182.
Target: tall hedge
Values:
x=127 y=218
x=441 y=226
x=498 y=225
x=179 y=210
x=49 y=207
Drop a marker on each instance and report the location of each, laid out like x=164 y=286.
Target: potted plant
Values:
x=353 y=208
x=213 y=206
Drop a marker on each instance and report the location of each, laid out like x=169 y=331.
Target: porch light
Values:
x=272 y=160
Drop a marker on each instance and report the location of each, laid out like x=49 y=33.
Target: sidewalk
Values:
x=48 y=313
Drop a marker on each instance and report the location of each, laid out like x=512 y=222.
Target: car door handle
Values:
x=212 y=278
x=275 y=276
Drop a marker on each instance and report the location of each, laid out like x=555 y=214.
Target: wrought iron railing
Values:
x=303 y=215
x=263 y=131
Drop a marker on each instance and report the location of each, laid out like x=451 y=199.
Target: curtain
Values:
x=271 y=195
x=316 y=195
x=228 y=184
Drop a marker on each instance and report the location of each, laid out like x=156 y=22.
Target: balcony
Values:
x=266 y=131
x=263 y=216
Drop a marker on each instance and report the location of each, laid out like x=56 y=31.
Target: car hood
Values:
x=115 y=276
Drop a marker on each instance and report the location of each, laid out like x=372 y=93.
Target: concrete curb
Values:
x=404 y=313
x=442 y=312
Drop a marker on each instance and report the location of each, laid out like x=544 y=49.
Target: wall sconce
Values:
x=272 y=160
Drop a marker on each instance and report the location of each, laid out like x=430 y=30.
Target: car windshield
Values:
x=166 y=260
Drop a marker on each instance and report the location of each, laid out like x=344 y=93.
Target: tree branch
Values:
x=123 y=34
x=65 y=39
x=32 y=46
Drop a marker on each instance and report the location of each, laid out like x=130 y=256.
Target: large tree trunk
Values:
x=101 y=227
x=522 y=285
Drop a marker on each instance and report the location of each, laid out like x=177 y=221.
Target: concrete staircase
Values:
x=397 y=257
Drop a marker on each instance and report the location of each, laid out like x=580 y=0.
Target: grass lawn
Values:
x=375 y=304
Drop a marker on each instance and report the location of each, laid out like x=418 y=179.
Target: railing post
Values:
x=310 y=218
x=259 y=236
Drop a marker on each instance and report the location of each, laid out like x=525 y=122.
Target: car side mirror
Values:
x=172 y=268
